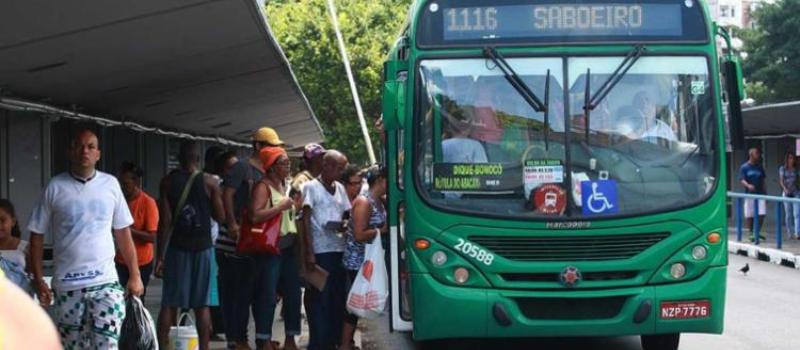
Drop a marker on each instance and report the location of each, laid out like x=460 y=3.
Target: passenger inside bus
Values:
x=654 y=128
x=487 y=127
x=457 y=146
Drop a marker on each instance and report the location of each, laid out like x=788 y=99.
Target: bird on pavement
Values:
x=745 y=269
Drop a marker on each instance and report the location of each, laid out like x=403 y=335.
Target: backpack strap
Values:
x=181 y=202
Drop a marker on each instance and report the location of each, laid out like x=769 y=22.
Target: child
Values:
x=13 y=251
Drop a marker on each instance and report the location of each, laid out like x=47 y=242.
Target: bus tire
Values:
x=661 y=341
x=429 y=345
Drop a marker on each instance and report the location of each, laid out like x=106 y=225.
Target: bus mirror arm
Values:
x=587 y=104
x=547 y=112
x=735 y=120
x=733 y=78
x=516 y=82
x=615 y=77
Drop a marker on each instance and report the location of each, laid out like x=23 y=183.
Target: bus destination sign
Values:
x=478 y=23
x=552 y=20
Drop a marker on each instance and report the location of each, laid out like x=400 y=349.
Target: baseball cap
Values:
x=313 y=150
x=267 y=135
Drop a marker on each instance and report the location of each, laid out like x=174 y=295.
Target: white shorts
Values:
x=749 y=205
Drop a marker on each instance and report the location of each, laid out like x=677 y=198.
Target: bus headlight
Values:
x=677 y=270
x=461 y=275
x=699 y=252
x=439 y=258
x=693 y=259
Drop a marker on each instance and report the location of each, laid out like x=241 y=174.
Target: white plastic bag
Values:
x=367 y=297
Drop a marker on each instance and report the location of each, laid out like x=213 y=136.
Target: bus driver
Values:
x=654 y=128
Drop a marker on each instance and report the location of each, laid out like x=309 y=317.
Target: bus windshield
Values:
x=484 y=150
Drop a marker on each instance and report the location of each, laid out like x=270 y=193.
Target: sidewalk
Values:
x=153 y=303
x=766 y=250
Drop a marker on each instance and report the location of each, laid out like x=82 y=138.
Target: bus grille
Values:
x=586 y=276
x=569 y=248
x=571 y=308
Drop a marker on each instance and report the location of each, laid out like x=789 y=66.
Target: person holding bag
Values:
x=325 y=203
x=269 y=200
x=368 y=221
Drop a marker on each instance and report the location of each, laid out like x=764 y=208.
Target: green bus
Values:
x=557 y=169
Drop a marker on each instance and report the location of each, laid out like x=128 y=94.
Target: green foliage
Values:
x=760 y=92
x=772 y=66
x=305 y=32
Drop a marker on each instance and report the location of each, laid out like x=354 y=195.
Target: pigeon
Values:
x=745 y=269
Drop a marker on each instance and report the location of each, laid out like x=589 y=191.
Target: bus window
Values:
x=477 y=133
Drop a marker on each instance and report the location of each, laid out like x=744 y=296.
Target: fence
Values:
x=739 y=199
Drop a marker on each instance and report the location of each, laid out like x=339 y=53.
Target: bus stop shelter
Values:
x=146 y=74
x=772 y=120
x=197 y=66
x=775 y=130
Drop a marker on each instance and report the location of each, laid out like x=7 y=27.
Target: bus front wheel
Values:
x=661 y=341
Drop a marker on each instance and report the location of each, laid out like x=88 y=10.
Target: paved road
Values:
x=153 y=302
x=763 y=313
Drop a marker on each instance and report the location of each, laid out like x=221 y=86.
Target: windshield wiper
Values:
x=518 y=84
x=589 y=104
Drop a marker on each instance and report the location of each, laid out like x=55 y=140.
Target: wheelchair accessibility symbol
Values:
x=599 y=197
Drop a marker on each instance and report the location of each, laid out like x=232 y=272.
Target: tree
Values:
x=305 y=32
x=772 y=66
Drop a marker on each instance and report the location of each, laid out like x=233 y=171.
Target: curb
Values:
x=775 y=256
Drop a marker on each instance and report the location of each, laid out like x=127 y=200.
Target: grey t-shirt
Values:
x=241 y=178
x=463 y=150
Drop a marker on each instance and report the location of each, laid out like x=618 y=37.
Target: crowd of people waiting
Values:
x=188 y=238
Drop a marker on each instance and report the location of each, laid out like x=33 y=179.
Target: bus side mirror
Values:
x=393 y=104
x=733 y=88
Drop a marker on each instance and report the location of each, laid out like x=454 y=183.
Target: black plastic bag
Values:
x=138 y=329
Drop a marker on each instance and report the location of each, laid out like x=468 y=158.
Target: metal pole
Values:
x=353 y=88
x=756 y=226
x=738 y=219
x=778 y=224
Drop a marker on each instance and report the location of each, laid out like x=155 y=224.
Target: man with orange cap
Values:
x=236 y=282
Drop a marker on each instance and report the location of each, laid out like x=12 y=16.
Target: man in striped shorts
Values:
x=80 y=208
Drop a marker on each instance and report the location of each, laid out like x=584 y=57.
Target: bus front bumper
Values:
x=442 y=311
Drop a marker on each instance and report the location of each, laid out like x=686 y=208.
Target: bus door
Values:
x=393 y=113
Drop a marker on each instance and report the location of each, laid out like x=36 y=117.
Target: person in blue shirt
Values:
x=752 y=176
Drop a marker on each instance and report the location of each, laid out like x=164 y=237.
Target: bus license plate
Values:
x=685 y=309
